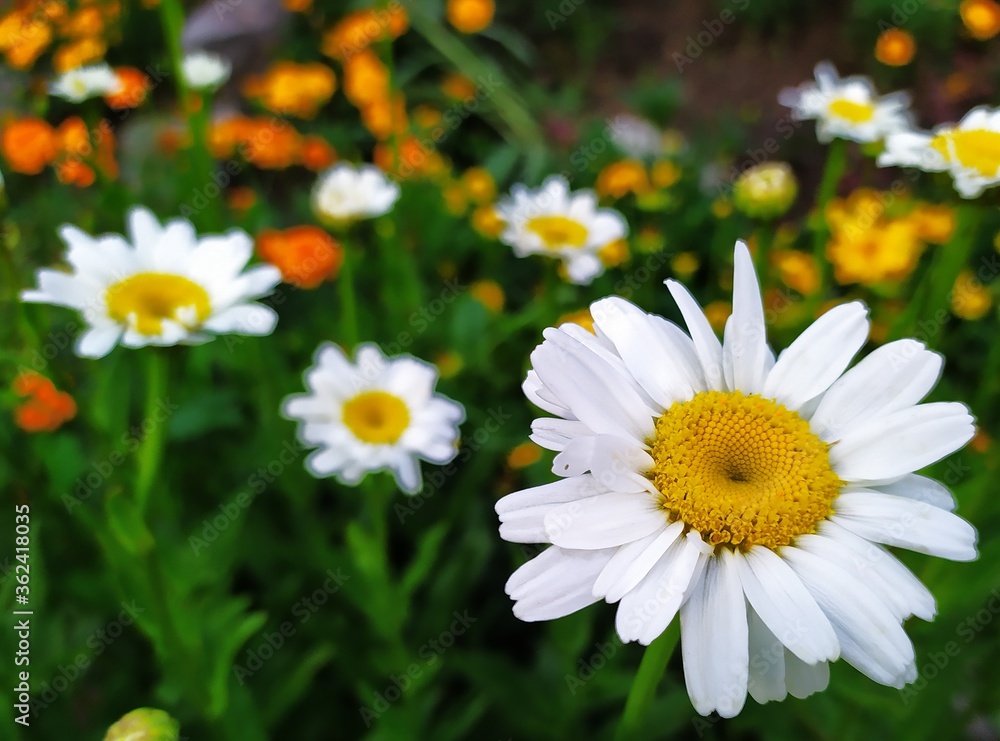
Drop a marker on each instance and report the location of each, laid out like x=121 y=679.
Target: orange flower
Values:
x=132 y=93
x=383 y=119
x=23 y=38
x=413 y=158
x=357 y=31
x=76 y=145
x=84 y=22
x=621 y=178
x=895 y=47
x=458 y=87
x=273 y=145
x=305 y=255
x=524 y=455
x=29 y=144
x=78 y=53
x=981 y=17
x=470 y=16
x=297 y=6
x=317 y=154
x=365 y=79
x=293 y=89
x=241 y=198
x=225 y=135
x=44 y=408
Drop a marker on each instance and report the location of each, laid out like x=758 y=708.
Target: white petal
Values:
x=715 y=639
x=706 y=344
x=97 y=342
x=766 y=680
x=603 y=521
x=804 y=679
x=784 y=604
x=905 y=523
x=893 y=377
x=556 y=583
x=745 y=348
x=818 y=356
x=633 y=561
x=553 y=433
x=922 y=489
x=522 y=514
x=902 y=442
x=246 y=319
x=406 y=471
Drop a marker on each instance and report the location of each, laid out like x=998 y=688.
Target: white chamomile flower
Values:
x=374 y=414
x=555 y=222
x=205 y=72
x=969 y=150
x=635 y=137
x=346 y=193
x=163 y=286
x=749 y=494
x=83 y=83
x=847 y=108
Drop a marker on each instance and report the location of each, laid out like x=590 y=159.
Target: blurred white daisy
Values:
x=969 y=150
x=635 y=137
x=346 y=193
x=847 y=108
x=205 y=72
x=163 y=286
x=555 y=222
x=749 y=494
x=83 y=83
x=374 y=414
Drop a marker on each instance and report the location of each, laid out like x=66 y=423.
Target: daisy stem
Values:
x=348 y=300
x=651 y=670
x=151 y=450
x=833 y=171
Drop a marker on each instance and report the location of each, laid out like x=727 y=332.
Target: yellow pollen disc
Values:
x=558 y=231
x=977 y=149
x=144 y=300
x=376 y=417
x=742 y=470
x=848 y=110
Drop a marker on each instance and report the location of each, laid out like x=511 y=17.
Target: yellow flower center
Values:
x=558 y=231
x=144 y=300
x=376 y=417
x=856 y=113
x=741 y=470
x=977 y=149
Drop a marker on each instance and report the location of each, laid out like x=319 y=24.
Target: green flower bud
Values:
x=144 y=724
x=765 y=191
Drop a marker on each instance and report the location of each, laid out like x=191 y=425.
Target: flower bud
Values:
x=144 y=724
x=765 y=191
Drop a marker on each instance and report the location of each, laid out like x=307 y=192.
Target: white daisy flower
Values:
x=555 y=222
x=751 y=495
x=969 y=150
x=847 y=108
x=374 y=414
x=162 y=286
x=204 y=71
x=635 y=137
x=83 y=83
x=346 y=193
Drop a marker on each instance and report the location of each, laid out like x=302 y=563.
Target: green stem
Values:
x=151 y=450
x=651 y=670
x=348 y=300
x=833 y=171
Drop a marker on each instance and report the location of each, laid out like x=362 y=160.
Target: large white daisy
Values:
x=969 y=150
x=346 y=193
x=374 y=414
x=555 y=222
x=162 y=286
x=847 y=108
x=751 y=495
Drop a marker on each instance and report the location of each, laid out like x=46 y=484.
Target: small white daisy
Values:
x=969 y=150
x=635 y=137
x=163 y=286
x=555 y=222
x=346 y=193
x=205 y=72
x=83 y=83
x=749 y=494
x=374 y=414
x=847 y=108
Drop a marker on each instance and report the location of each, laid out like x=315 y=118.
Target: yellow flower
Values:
x=684 y=264
x=486 y=221
x=23 y=39
x=981 y=17
x=581 y=317
x=722 y=208
x=426 y=116
x=489 y=294
x=895 y=47
x=970 y=299
x=293 y=89
x=84 y=22
x=934 y=223
x=470 y=16
x=357 y=31
x=458 y=87
x=665 y=173
x=384 y=117
x=78 y=53
x=479 y=185
x=717 y=313
x=614 y=253
x=621 y=178
x=797 y=270
x=649 y=240
x=365 y=79
x=524 y=455
x=455 y=200
x=449 y=363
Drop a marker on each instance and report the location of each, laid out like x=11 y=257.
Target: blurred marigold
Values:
x=458 y=87
x=293 y=89
x=29 y=144
x=44 y=408
x=614 y=253
x=981 y=17
x=797 y=270
x=297 y=6
x=134 y=87
x=470 y=16
x=621 y=178
x=717 y=313
x=487 y=222
x=366 y=79
x=934 y=223
x=895 y=47
x=970 y=299
x=357 y=31
x=489 y=294
x=415 y=158
x=78 y=53
x=685 y=264
x=524 y=455
x=665 y=173
x=274 y=145
x=23 y=38
x=305 y=255
x=479 y=185
x=241 y=198
x=87 y=21
x=385 y=117
x=317 y=154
